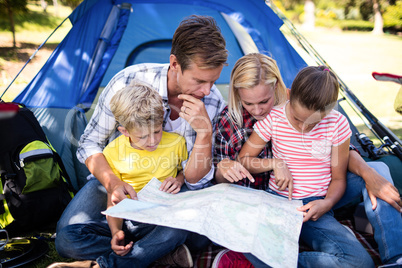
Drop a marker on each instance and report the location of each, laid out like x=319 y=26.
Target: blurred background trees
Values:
x=377 y=16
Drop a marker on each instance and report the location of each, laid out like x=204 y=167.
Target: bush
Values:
x=356 y=25
x=393 y=16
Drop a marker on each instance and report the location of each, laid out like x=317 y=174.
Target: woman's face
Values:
x=258 y=101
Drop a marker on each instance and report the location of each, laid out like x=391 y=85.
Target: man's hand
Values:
x=118 y=244
x=194 y=112
x=122 y=190
x=233 y=171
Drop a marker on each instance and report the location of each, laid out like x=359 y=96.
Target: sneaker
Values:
x=76 y=264
x=181 y=257
x=231 y=259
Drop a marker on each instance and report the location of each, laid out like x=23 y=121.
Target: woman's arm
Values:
x=377 y=186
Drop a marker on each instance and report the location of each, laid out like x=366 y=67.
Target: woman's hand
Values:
x=315 y=209
x=233 y=171
x=283 y=177
x=118 y=242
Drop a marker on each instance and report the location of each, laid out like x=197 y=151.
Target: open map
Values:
x=238 y=218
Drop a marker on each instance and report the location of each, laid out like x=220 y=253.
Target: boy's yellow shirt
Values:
x=138 y=167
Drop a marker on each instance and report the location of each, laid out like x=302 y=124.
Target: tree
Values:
x=378 y=21
x=11 y=7
x=309 y=18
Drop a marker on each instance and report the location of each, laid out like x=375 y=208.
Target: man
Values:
x=190 y=101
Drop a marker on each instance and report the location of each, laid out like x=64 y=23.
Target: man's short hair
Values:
x=198 y=39
x=137 y=105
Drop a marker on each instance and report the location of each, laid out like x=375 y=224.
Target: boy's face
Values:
x=301 y=118
x=144 y=138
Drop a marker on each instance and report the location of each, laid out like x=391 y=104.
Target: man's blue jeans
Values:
x=83 y=233
x=386 y=221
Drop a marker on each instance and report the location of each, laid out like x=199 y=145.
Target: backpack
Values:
x=34 y=186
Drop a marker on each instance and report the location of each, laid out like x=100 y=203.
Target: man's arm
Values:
x=377 y=186
x=99 y=167
x=200 y=160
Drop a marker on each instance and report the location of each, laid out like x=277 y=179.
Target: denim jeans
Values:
x=386 y=220
x=83 y=233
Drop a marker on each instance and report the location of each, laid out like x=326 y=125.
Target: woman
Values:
x=255 y=87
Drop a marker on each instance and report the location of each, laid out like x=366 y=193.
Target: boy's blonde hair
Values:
x=137 y=106
x=250 y=71
x=316 y=88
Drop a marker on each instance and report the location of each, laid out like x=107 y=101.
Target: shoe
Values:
x=181 y=257
x=76 y=264
x=231 y=259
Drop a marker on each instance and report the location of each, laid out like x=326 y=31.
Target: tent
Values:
x=108 y=35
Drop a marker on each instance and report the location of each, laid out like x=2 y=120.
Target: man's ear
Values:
x=173 y=63
x=123 y=131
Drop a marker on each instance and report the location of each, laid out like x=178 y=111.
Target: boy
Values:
x=142 y=152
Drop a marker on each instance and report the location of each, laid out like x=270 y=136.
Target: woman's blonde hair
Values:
x=137 y=106
x=249 y=71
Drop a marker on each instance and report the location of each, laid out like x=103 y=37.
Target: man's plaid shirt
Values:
x=102 y=128
x=229 y=138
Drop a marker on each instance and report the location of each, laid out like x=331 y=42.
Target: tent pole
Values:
x=32 y=56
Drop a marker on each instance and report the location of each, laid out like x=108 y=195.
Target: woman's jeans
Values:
x=335 y=246
x=83 y=233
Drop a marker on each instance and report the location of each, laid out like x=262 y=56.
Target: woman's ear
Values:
x=123 y=131
x=288 y=93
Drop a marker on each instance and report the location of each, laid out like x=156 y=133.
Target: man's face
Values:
x=195 y=81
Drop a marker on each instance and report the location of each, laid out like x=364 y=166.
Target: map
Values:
x=238 y=218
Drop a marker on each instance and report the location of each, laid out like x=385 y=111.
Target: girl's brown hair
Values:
x=316 y=88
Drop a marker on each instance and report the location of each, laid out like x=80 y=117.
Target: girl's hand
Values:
x=171 y=185
x=283 y=177
x=117 y=244
x=233 y=171
x=315 y=209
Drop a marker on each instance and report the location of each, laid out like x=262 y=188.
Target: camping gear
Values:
x=33 y=183
x=393 y=78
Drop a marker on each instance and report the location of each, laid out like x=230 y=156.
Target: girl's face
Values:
x=301 y=118
x=258 y=101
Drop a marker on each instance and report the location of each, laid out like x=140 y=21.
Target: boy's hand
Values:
x=171 y=185
x=117 y=243
x=233 y=171
x=315 y=209
x=121 y=191
x=283 y=177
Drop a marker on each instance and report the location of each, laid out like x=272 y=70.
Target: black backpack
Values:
x=34 y=184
